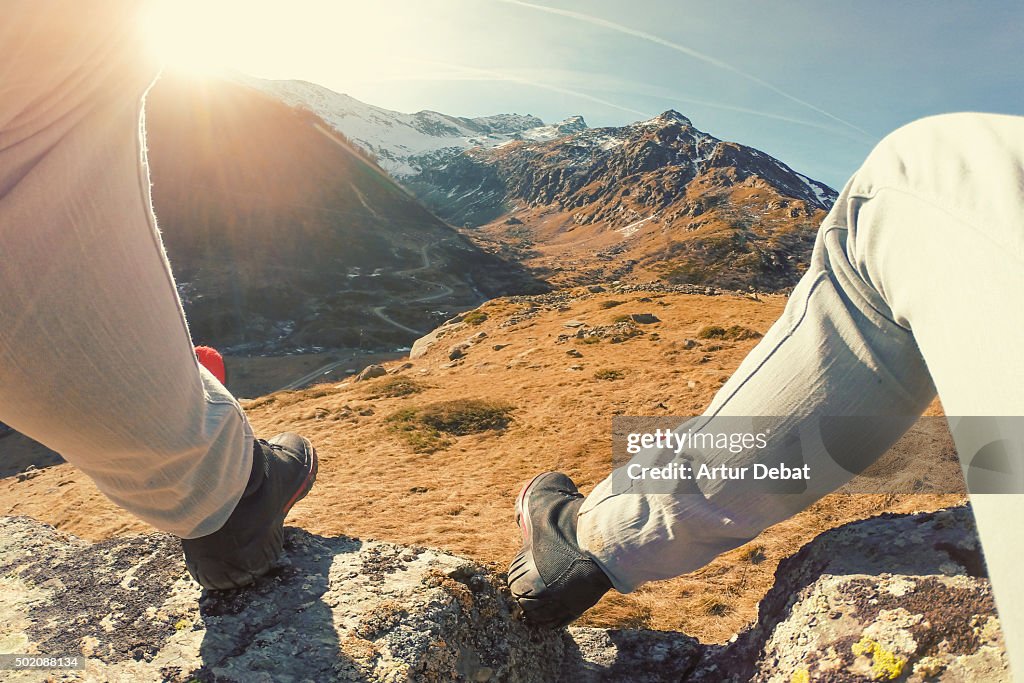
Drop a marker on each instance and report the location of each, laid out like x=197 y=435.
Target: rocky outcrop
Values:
x=337 y=609
x=370 y=372
x=894 y=597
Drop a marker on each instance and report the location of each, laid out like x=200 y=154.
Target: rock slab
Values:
x=337 y=609
x=897 y=597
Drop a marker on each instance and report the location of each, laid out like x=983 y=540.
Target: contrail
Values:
x=690 y=52
x=497 y=75
x=488 y=74
x=768 y=115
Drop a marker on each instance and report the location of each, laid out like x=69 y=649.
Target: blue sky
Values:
x=814 y=83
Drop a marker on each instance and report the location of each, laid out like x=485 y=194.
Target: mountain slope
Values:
x=401 y=143
x=435 y=485
x=282 y=235
x=658 y=198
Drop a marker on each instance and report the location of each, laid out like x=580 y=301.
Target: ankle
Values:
x=259 y=470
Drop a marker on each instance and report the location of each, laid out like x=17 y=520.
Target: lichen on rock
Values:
x=853 y=605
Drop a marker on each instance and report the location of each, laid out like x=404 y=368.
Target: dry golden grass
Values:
x=373 y=483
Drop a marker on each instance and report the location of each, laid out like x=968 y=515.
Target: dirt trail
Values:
x=444 y=291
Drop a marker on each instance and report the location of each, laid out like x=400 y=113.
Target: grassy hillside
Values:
x=435 y=452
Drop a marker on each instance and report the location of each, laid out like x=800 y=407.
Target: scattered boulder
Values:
x=29 y=472
x=424 y=344
x=458 y=351
x=421 y=346
x=370 y=372
x=574 y=353
x=574 y=323
x=645 y=318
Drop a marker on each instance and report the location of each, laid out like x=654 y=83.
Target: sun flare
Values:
x=193 y=36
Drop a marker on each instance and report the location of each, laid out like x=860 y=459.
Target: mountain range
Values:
x=296 y=217
x=403 y=144
x=656 y=199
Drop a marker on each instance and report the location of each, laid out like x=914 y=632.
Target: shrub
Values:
x=474 y=317
x=427 y=428
x=739 y=333
x=754 y=554
x=734 y=333
x=416 y=435
x=714 y=607
x=711 y=332
x=394 y=387
x=466 y=416
x=622 y=319
x=609 y=374
x=610 y=303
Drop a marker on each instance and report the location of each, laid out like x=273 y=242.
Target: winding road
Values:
x=426 y=265
x=442 y=292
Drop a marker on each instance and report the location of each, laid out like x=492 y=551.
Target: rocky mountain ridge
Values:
x=583 y=167
x=401 y=143
x=577 y=205
x=655 y=199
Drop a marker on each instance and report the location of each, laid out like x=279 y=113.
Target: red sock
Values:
x=212 y=361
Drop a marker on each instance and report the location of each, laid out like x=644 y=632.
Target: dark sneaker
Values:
x=241 y=551
x=551 y=578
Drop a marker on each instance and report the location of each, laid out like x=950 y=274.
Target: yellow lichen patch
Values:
x=800 y=676
x=182 y=624
x=885 y=665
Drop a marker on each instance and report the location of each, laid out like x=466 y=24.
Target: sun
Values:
x=195 y=36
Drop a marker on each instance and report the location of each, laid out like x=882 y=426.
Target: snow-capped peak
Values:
x=400 y=142
x=573 y=124
x=667 y=117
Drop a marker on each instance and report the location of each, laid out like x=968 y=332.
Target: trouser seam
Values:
x=862 y=296
x=821 y=277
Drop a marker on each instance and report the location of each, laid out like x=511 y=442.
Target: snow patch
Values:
x=398 y=140
x=634 y=227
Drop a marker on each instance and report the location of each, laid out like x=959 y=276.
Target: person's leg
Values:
x=95 y=357
x=911 y=281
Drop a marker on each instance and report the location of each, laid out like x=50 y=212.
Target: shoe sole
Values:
x=236 y=577
x=524 y=580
